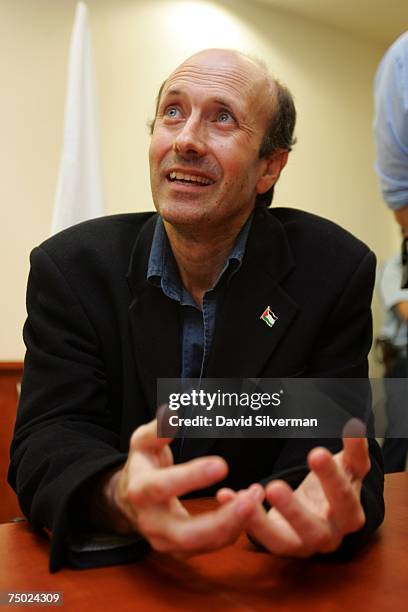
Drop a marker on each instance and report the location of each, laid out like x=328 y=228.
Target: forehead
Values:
x=229 y=75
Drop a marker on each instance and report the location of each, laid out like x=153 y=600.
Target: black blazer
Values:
x=98 y=335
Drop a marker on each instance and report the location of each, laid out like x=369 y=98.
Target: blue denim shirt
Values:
x=198 y=324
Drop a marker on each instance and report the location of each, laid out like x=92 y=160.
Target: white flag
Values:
x=79 y=189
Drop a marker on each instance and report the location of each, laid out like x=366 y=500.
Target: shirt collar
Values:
x=162 y=268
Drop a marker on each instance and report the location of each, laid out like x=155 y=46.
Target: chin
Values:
x=183 y=213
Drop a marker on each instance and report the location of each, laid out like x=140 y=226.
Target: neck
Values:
x=200 y=258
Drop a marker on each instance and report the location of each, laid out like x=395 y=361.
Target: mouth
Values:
x=183 y=178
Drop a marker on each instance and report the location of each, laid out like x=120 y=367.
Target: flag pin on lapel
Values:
x=269 y=317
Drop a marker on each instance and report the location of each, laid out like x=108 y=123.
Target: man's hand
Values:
x=143 y=496
x=324 y=508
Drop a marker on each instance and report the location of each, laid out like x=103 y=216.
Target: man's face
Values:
x=204 y=154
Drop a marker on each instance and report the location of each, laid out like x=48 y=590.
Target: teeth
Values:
x=180 y=176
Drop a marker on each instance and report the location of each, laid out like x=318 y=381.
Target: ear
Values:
x=272 y=168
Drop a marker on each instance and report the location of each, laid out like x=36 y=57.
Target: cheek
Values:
x=238 y=158
x=236 y=172
x=231 y=167
x=154 y=149
x=151 y=155
x=159 y=145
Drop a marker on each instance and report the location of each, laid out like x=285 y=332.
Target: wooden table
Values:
x=237 y=578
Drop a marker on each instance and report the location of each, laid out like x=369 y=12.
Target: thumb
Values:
x=356 y=458
x=144 y=438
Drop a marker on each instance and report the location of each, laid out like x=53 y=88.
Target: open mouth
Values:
x=192 y=179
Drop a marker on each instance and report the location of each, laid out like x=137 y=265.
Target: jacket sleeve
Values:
x=342 y=353
x=65 y=430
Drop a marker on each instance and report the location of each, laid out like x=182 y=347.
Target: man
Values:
x=391 y=128
x=114 y=304
x=391 y=135
x=393 y=341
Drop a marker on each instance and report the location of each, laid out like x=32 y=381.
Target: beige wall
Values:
x=136 y=43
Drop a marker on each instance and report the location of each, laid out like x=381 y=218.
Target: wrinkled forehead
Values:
x=229 y=73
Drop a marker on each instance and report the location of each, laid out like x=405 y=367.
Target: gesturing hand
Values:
x=320 y=512
x=143 y=496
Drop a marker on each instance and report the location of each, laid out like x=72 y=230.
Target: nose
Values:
x=190 y=140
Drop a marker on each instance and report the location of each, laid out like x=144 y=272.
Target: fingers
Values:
x=148 y=490
x=291 y=528
x=145 y=439
x=274 y=533
x=343 y=497
x=276 y=536
x=355 y=456
x=324 y=508
x=203 y=533
x=271 y=529
x=163 y=421
x=308 y=532
x=256 y=490
x=313 y=519
x=154 y=486
x=344 y=510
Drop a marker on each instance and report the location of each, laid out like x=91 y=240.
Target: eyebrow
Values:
x=179 y=92
x=172 y=92
x=223 y=102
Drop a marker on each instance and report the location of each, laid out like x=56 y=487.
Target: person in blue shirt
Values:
x=394 y=333
x=391 y=136
x=391 y=128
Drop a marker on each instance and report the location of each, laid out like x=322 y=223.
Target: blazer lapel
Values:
x=154 y=321
x=243 y=342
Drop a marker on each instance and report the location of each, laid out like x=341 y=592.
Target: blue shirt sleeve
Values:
x=391 y=123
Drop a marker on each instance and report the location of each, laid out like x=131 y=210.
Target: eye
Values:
x=172 y=112
x=225 y=117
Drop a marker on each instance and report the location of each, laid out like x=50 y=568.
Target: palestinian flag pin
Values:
x=269 y=317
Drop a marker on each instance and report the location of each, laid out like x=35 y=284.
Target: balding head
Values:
x=230 y=59
x=220 y=62
x=220 y=100
x=276 y=99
